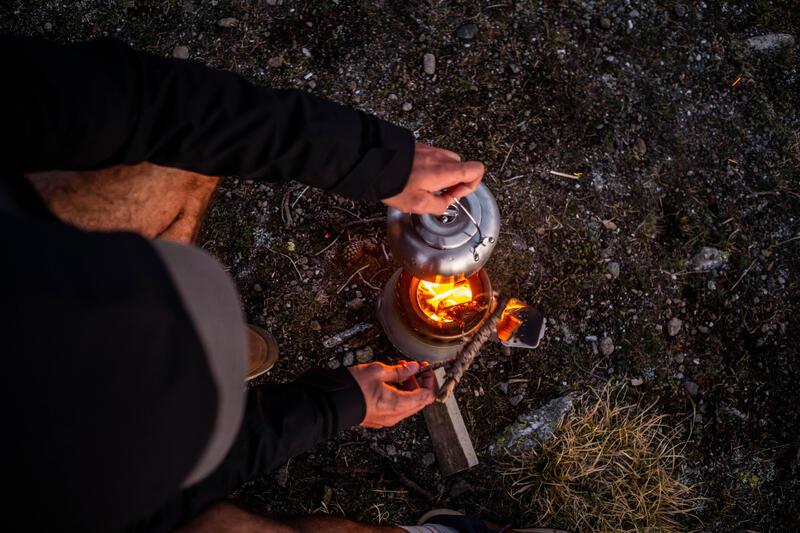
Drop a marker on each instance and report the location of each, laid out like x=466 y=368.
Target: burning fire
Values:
x=435 y=298
x=508 y=320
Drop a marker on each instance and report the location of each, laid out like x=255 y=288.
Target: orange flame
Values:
x=508 y=322
x=434 y=298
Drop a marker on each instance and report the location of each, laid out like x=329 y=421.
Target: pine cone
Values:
x=353 y=251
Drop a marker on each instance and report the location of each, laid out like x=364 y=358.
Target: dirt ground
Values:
x=677 y=133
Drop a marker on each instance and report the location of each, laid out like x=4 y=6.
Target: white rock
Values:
x=181 y=52
x=407 y=106
x=674 y=326
x=607 y=346
x=770 y=41
x=429 y=64
x=228 y=22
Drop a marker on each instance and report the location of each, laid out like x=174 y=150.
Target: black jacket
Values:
x=104 y=382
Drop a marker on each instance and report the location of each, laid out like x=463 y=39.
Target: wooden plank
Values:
x=451 y=441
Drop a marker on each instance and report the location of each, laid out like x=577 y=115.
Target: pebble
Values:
x=364 y=355
x=708 y=258
x=429 y=64
x=636 y=382
x=605 y=23
x=348 y=359
x=460 y=488
x=634 y=14
x=181 y=52
x=407 y=106
x=712 y=286
x=613 y=269
x=467 y=31
x=641 y=146
x=314 y=325
x=355 y=304
x=674 y=326
x=428 y=459
x=392 y=97
x=702 y=329
x=48 y=26
x=691 y=387
x=275 y=62
x=678 y=358
x=228 y=22
x=516 y=400
x=333 y=363
x=679 y=10
x=257 y=287
x=770 y=41
x=607 y=346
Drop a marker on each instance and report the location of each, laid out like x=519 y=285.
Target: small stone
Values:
x=257 y=287
x=407 y=106
x=634 y=14
x=678 y=358
x=392 y=97
x=460 y=488
x=516 y=399
x=333 y=363
x=467 y=31
x=609 y=225
x=518 y=242
x=636 y=382
x=679 y=10
x=503 y=386
x=771 y=41
x=228 y=22
x=691 y=387
x=708 y=258
x=348 y=359
x=606 y=346
x=428 y=459
x=514 y=68
x=641 y=147
x=391 y=450
x=364 y=355
x=613 y=269
x=355 y=304
x=312 y=84
x=429 y=64
x=314 y=325
x=275 y=62
x=48 y=26
x=605 y=23
x=712 y=285
x=674 y=326
x=281 y=475
x=181 y=52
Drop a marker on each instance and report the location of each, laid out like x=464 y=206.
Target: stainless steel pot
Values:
x=450 y=247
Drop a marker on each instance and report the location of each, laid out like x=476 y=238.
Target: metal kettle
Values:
x=449 y=247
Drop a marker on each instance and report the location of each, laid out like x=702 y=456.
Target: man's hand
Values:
x=434 y=170
x=391 y=392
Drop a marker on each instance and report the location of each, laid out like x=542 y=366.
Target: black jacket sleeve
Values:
x=97 y=104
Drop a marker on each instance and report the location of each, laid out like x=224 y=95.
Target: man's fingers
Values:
x=463 y=189
x=399 y=373
x=426 y=380
x=451 y=173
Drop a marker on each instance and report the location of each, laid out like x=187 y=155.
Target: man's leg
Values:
x=148 y=199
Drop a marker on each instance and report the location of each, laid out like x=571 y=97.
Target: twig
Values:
x=744 y=273
x=367 y=283
x=416 y=488
x=506 y=159
x=385 y=255
x=467 y=354
x=514 y=178
x=299 y=196
x=788 y=240
x=570 y=176
x=351 y=277
x=299 y=275
x=331 y=244
x=362 y=221
x=286 y=215
x=346 y=211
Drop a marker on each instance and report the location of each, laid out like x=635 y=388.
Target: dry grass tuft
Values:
x=612 y=466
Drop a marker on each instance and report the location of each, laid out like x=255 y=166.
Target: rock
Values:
x=708 y=258
x=712 y=285
x=48 y=26
x=503 y=386
x=281 y=475
x=275 y=62
x=407 y=106
x=634 y=14
x=181 y=52
x=391 y=450
x=364 y=355
x=516 y=399
x=609 y=225
x=613 y=269
x=678 y=358
x=674 y=326
x=679 y=10
x=333 y=363
x=771 y=41
x=460 y=488
x=518 y=242
x=691 y=387
x=606 y=346
x=428 y=459
x=429 y=64
x=641 y=146
x=228 y=22
x=702 y=329
x=532 y=429
x=314 y=325
x=348 y=359
x=257 y=287
x=342 y=336
x=605 y=23
x=355 y=304
x=392 y=97
x=467 y=31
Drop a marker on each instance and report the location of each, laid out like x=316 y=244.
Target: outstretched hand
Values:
x=392 y=393
x=433 y=170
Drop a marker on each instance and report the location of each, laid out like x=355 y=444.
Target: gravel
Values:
x=429 y=64
x=674 y=326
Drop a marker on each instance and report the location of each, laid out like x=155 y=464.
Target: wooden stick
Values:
x=467 y=354
x=570 y=176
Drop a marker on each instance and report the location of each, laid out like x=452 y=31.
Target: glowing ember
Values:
x=435 y=298
x=508 y=321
